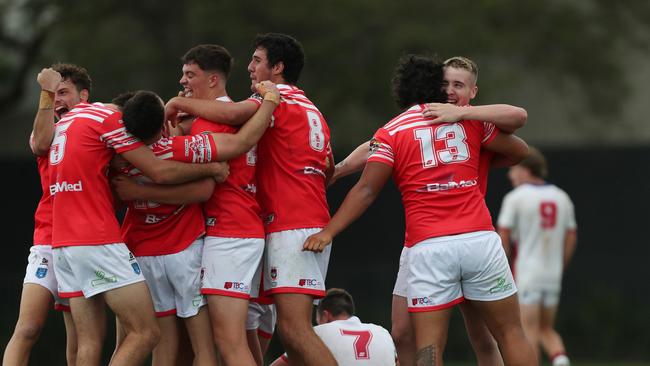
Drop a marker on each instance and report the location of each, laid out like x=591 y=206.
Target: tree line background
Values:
x=579 y=68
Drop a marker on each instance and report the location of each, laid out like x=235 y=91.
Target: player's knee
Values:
x=151 y=336
x=28 y=331
x=293 y=332
x=402 y=335
x=484 y=344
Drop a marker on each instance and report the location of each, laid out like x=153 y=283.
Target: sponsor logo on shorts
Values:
x=274 y=273
x=236 y=286
x=101 y=278
x=501 y=286
x=196 y=301
x=422 y=301
x=308 y=282
x=136 y=268
x=438 y=187
x=210 y=221
x=41 y=271
x=65 y=187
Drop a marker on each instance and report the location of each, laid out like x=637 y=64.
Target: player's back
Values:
x=538 y=216
x=151 y=228
x=292 y=164
x=355 y=343
x=85 y=140
x=436 y=168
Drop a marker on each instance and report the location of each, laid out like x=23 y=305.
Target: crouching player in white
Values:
x=260 y=325
x=350 y=341
x=539 y=217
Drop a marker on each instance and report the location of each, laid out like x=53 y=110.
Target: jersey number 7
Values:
x=361 y=342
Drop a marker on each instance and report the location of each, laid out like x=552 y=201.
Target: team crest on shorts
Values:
x=41 y=272
x=274 y=273
x=136 y=268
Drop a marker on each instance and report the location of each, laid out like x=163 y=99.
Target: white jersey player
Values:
x=350 y=341
x=539 y=218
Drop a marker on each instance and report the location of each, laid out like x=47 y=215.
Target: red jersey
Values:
x=85 y=140
x=43 y=214
x=436 y=168
x=232 y=211
x=293 y=155
x=484 y=169
x=152 y=228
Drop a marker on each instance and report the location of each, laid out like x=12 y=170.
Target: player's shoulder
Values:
x=406 y=119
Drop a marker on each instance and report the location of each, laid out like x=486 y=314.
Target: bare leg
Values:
x=503 y=319
x=166 y=350
x=200 y=332
x=484 y=345
x=133 y=306
x=228 y=318
x=430 y=336
x=35 y=303
x=296 y=332
x=549 y=338
x=89 y=317
x=402 y=331
x=255 y=346
x=530 y=319
x=185 y=352
x=71 y=339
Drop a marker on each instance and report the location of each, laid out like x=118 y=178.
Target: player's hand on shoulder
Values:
x=268 y=91
x=49 y=79
x=172 y=111
x=443 y=112
x=221 y=171
x=125 y=187
x=317 y=242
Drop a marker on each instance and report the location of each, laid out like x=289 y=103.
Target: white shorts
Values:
x=546 y=298
x=40 y=271
x=289 y=269
x=261 y=317
x=229 y=265
x=402 y=274
x=443 y=271
x=87 y=270
x=174 y=281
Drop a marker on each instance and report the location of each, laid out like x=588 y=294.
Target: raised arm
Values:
x=232 y=145
x=43 y=128
x=356 y=202
x=212 y=110
x=128 y=189
x=507 y=118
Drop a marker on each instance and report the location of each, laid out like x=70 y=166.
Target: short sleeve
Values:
x=115 y=136
x=507 y=214
x=489 y=132
x=381 y=148
x=194 y=149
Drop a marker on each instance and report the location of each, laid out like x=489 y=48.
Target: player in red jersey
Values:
x=62 y=86
x=293 y=166
x=460 y=84
x=90 y=258
x=454 y=254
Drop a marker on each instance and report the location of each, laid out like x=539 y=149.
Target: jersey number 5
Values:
x=361 y=342
x=57 y=149
x=453 y=135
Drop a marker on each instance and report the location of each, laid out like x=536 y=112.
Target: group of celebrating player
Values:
x=256 y=231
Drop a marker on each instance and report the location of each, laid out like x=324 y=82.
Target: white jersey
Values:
x=355 y=343
x=539 y=217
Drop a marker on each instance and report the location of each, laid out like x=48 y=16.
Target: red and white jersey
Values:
x=436 y=168
x=232 y=211
x=485 y=161
x=151 y=228
x=538 y=217
x=355 y=343
x=293 y=155
x=43 y=214
x=85 y=140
